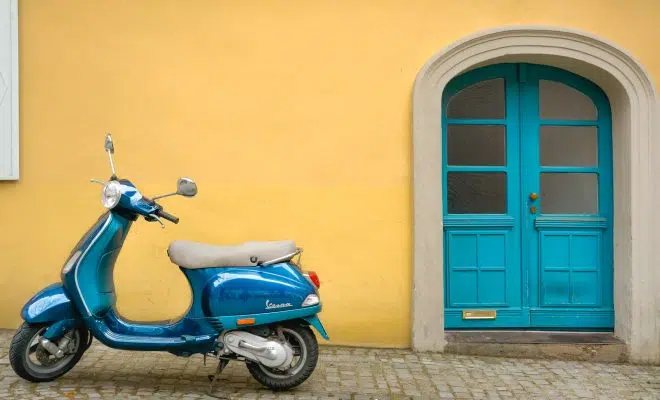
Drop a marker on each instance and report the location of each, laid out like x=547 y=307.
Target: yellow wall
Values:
x=292 y=116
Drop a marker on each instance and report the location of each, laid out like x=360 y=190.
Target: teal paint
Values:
x=538 y=270
x=316 y=323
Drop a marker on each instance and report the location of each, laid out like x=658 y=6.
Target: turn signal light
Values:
x=245 y=321
x=314 y=278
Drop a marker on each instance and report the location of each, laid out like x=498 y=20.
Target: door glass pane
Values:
x=476 y=145
x=560 y=101
x=569 y=146
x=569 y=193
x=481 y=100
x=476 y=192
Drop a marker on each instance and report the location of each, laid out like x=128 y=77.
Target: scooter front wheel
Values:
x=306 y=354
x=31 y=361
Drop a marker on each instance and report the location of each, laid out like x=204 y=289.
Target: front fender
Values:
x=50 y=304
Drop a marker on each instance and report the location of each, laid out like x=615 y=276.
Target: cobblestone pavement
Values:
x=342 y=373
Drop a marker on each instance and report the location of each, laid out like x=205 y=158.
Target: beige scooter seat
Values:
x=193 y=255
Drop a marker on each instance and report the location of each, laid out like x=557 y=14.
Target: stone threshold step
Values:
x=573 y=346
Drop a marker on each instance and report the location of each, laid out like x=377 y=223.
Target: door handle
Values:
x=533 y=196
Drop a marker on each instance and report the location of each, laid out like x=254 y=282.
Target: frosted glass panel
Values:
x=560 y=101
x=569 y=193
x=476 y=193
x=481 y=100
x=569 y=146
x=476 y=145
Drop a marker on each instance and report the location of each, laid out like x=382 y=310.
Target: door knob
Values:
x=533 y=196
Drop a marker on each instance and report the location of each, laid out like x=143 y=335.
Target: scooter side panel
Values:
x=50 y=304
x=232 y=321
x=252 y=290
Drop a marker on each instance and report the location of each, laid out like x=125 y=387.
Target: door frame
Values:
x=635 y=118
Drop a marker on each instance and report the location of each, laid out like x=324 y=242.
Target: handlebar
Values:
x=165 y=215
x=162 y=213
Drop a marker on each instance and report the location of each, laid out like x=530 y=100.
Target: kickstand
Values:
x=221 y=366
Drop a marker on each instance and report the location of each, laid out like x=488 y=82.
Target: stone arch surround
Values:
x=636 y=151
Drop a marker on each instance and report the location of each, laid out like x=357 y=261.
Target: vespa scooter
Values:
x=250 y=302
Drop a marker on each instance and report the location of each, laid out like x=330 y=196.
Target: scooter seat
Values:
x=193 y=255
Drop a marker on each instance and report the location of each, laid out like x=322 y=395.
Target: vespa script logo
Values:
x=270 y=306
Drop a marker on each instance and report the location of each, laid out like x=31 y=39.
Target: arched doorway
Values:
x=636 y=157
x=527 y=180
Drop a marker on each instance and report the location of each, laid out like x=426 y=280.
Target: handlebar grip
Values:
x=163 y=214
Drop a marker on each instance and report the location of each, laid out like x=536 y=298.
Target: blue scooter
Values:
x=250 y=302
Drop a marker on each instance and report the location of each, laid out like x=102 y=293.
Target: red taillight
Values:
x=314 y=278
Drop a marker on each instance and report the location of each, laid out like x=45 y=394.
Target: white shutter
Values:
x=8 y=90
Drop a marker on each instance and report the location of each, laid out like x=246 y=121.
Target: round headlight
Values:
x=111 y=194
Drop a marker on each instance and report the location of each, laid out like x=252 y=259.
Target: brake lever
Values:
x=155 y=217
x=97 y=181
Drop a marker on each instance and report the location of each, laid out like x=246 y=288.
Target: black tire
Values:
x=25 y=368
x=270 y=379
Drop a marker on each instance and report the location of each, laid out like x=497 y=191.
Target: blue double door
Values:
x=527 y=178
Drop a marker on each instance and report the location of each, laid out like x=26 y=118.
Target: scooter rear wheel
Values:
x=306 y=354
x=32 y=362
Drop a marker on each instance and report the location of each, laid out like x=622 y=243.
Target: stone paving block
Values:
x=342 y=374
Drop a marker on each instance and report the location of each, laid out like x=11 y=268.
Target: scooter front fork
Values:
x=59 y=328
x=62 y=331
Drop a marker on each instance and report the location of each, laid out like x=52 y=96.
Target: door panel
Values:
x=481 y=278
x=528 y=206
x=570 y=268
x=478 y=260
x=482 y=208
x=566 y=156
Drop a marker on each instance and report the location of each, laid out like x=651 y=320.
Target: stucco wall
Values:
x=292 y=116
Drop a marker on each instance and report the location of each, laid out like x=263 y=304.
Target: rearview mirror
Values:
x=186 y=187
x=109 y=147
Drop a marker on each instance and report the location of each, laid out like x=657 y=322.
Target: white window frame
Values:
x=10 y=170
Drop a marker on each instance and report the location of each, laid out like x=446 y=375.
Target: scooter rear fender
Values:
x=316 y=323
x=51 y=304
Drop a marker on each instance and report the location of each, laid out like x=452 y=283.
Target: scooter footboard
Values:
x=49 y=305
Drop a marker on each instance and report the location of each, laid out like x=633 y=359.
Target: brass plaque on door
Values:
x=479 y=314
